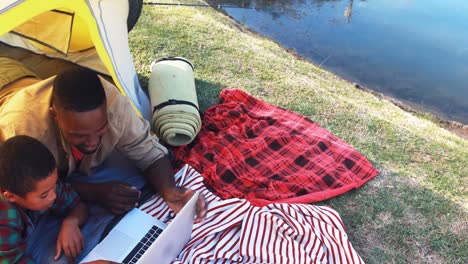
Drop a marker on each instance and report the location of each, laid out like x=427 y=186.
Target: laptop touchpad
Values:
x=116 y=247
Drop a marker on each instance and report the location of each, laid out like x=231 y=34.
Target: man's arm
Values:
x=117 y=197
x=87 y=191
x=161 y=177
x=138 y=144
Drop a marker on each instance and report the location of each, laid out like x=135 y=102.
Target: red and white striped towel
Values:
x=237 y=232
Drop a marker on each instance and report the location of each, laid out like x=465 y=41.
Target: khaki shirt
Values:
x=26 y=112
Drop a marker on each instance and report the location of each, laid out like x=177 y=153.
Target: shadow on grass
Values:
x=391 y=221
x=143 y=79
x=207 y=93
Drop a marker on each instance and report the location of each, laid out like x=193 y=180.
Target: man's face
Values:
x=42 y=197
x=83 y=130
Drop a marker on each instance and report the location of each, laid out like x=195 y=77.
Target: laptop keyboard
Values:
x=143 y=245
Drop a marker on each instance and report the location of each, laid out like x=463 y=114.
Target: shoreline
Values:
x=451 y=125
x=455 y=127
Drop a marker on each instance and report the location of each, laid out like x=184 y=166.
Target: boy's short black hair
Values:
x=78 y=89
x=23 y=162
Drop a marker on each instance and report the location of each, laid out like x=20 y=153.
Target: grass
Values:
x=415 y=211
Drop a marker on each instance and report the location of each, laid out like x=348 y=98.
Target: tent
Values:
x=90 y=33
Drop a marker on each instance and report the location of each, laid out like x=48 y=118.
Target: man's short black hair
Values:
x=23 y=162
x=78 y=89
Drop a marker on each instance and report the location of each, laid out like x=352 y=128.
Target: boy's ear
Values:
x=11 y=197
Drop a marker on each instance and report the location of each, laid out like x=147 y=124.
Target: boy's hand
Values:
x=70 y=240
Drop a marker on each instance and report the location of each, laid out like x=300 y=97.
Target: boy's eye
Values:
x=43 y=196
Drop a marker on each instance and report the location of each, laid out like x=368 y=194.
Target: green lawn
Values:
x=415 y=211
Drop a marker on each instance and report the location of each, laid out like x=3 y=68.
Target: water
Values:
x=413 y=50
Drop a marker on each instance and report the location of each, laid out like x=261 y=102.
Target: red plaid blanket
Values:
x=250 y=149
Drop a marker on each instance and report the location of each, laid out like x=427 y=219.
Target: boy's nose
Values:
x=53 y=195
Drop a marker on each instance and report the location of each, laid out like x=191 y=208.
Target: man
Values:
x=83 y=120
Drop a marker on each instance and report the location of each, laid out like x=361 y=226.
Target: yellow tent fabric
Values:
x=73 y=29
x=55 y=36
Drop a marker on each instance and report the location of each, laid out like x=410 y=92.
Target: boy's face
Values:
x=41 y=198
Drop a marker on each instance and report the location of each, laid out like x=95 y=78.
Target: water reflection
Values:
x=280 y=7
x=414 y=50
x=275 y=8
x=349 y=11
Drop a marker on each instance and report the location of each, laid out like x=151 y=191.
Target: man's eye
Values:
x=43 y=196
x=102 y=131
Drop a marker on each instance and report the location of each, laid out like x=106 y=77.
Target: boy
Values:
x=28 y=191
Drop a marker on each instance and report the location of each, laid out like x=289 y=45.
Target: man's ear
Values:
x=11 y=197
x=53 y=112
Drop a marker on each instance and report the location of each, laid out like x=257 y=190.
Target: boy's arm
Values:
x=66 y=200
x=12 y=242
x=70 y=239
x=12 y=249
x=78 y=215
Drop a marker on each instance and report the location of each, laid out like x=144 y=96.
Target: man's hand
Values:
x=70 y=240
x=160 y=175
x=118 y=197
x=177 y=197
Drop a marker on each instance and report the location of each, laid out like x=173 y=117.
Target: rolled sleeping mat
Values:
x=176 y=119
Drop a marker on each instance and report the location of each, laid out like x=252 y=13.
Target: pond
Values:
x=412 y=50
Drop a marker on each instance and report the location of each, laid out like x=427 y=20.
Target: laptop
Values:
x=140 y=238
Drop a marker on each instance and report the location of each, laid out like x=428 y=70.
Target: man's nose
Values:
x=93 y=140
